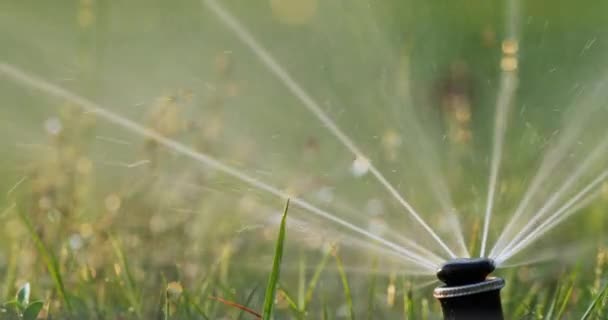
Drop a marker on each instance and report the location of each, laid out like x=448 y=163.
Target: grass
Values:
x=523 y=298
x=50 y=262
x=273 y=280
x=215 y=282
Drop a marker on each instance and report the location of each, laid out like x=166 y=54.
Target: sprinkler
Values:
x=468 y=292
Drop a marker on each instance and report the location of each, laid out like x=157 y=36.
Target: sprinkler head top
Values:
x=468 y=292
x=458 y=272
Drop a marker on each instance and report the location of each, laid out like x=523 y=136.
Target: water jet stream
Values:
x=409 y=244
x=506 y=94
x=428 y=164
x=571 y=207
x=270 y=62
x=44 y=86
x=597 y=152
x=508 y=85
x=549 y=162
x=559 y=254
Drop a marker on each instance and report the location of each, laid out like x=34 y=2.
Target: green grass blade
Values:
x=273 y=280
x=408 y=301
x=325 y=308
x=199 y=310
x=424 y=309
x=165 y=299
x=346 y=287
x=554 y=301
x=49 y=260
x=192 y=304
x=131 y=293
x=593 y=304
x=291 y=303
x=312 y=285
x=301 y=281
x=527 y=303
x=247 y=302
x=566 y=299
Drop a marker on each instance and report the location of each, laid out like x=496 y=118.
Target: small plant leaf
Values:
x=13 y=305
x=271 y=289
x=32 y=310
x=23 y=295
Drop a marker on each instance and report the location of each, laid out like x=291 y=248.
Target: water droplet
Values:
x=75 y=242
x=53 y=126
x=360 y=166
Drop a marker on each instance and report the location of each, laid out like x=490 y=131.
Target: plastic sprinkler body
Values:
x=468 y=292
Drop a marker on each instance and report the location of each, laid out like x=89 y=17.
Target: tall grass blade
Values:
x=325 y=309
x=408 y=301
x=49 y=260
x=312 y=285
x=132 y=294
x=247 y=302
x=565 y=300
x=271 y=289
x=594 y=303
x=554 y=301
x=346 y=287
x=192 y=304
x=165 y=299
x=291 y=302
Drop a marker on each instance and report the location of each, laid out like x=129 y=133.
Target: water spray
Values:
x=468 y=291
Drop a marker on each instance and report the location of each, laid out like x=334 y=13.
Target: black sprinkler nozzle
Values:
x=468 y=292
